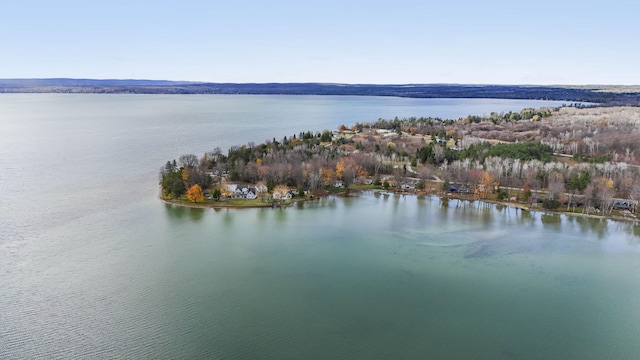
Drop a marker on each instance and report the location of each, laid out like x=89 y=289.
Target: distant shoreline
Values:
x=607 y=95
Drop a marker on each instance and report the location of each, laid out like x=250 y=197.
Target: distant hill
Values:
x=606 y=95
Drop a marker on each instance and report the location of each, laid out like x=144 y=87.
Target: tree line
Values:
x=417 y=149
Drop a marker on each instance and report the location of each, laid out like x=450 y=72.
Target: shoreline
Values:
x=440 y=196
x=544 y=211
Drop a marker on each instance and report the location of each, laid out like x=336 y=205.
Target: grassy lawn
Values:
x=231 y=202
x=364 y=187
x=248 y=203
x=243 y=203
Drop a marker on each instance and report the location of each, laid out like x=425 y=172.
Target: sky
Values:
x=373 y=42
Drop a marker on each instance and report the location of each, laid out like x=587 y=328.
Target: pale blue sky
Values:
x=384 y=42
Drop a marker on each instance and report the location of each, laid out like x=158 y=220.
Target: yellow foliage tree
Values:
x=195 y=193
x=185 y=175
x=280 y=192
x=486 y=185
x=344 y=164
x=327 y=175
x=608 y=183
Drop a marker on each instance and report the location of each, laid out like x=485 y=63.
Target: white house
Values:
x=242 y=191
x=277 y=195
x=251 y=194
x=408 y=186
x=260 y=187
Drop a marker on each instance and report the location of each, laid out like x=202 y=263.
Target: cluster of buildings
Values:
x=235 y=191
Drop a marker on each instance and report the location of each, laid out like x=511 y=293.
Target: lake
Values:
x=93 y=265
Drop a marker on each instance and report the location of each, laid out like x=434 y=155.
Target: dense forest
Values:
x=567 y=156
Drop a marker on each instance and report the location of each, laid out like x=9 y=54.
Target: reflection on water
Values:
x=177 y=212
x=196 y=214
x=551 y=220
x=280 y=214
x=228 y=217
x=487 y=230
x=591 y=225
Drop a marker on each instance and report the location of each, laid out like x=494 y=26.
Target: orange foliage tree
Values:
x=347 y=167
x=195 y=193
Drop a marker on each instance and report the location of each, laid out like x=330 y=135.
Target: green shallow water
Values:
x=93 y=265
x=403 y=277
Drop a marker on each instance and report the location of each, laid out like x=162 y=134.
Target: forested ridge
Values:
x=605 y=95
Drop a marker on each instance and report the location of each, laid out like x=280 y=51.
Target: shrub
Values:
x=550 y=204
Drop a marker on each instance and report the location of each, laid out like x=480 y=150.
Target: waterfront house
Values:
x=261 y=188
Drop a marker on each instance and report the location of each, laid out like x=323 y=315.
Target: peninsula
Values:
x=575 y=160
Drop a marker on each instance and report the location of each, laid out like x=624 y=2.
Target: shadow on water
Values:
x=525 y=216
x=227 y=218
x=262 y=214
x=349 y=200
x=181 y=212
x=552 y=221
x=280 y=214
x=196 y=214
x=486 y=212
x=597 y=226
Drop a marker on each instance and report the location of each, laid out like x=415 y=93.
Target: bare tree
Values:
x=188 y=160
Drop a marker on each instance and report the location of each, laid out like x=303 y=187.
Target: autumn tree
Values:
x=328 y=176
x=184 y=174
x=606 y=193
x=195 y=194
x=486 y=185
x=280 y=192
x=347 y=169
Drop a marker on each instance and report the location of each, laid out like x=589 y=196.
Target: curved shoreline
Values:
x=440 y=196
x=545 y=211
x=235 y=207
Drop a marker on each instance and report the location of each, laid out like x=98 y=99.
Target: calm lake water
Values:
x=93 y=265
